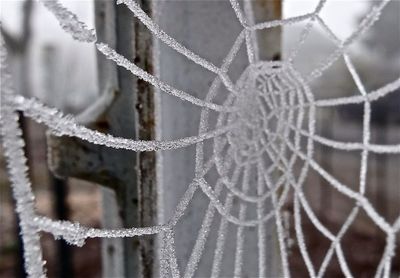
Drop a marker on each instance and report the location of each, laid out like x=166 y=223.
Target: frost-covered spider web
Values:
x=256 y=143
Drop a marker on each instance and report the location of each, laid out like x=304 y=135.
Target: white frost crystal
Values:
x=13 y=145
x=69 y=22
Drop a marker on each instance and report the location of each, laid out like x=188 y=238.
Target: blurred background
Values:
x=49 y=65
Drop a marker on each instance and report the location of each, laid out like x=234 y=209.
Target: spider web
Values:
x=256 y=143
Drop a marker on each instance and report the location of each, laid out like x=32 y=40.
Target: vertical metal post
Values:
x=58 y=186
x=115 y=25
x=146 y=129
x=209 y=28
x=270 y=48
x=125 y=108
x=270 y=40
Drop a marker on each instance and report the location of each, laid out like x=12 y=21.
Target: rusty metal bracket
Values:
x=73 y=157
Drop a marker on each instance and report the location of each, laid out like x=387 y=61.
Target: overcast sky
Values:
x=341 y=15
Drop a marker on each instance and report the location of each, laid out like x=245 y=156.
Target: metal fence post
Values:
x=209 y=28
x=125 y=109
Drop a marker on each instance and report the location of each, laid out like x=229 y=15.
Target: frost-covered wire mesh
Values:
x=256 y=142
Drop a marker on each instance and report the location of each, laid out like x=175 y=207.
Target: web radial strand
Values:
x=70 y=22
x=306 y=31
x=365 y=24
x=205 y=228
x=306 y=206
x=279 y=227
x=221 y=240
x=67 y=125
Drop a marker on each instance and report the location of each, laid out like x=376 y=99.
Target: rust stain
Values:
x=271 y=5
x=277 y=8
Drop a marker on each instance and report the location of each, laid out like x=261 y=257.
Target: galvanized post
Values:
x=209 y=28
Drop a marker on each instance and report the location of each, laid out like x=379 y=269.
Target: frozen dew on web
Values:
x=69 y=22
x=266 y=91
x=256 y=144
